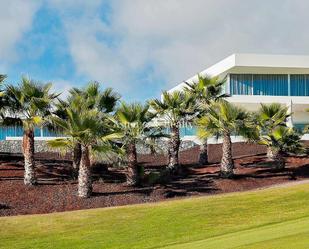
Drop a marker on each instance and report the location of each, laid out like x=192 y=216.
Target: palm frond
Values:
x=222 y=118
x=30 y=100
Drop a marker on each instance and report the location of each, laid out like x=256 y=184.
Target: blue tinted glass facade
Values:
x=269 y=84
x=299 y=84
x=241 y=84
x=275 y=85
x=300 y=127
x=259 y=84
x=187 y=131
x=17 y=131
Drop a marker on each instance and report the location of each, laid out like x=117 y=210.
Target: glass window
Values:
x=270 y=84
x=259 y=84
x=241 y=84
x=299 y=84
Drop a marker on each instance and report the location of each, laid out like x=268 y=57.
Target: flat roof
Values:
x=254 y=63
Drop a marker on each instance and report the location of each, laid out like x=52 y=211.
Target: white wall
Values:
x=300 y=117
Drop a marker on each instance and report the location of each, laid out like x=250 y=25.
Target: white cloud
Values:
x=92 y=56
x=178 y=37
x=61 y=87
x=15 y=19
x=75 y=5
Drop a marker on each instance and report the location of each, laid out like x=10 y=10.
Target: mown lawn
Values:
x=270 y=218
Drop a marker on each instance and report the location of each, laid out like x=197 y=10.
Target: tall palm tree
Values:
x=269 y=118
x=90 y=130
x=30 y=103
x=60 y=111
x=174 y=108
x=132 y=121
x=221 y=120
x=206 y=91
x=89 y=97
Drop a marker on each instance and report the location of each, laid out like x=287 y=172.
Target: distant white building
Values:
x=259 y=78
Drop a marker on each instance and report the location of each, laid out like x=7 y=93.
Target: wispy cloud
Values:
x=15 y=20
x=61 y=87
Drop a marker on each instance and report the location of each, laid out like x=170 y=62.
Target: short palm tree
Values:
x=174 y=108
x=205 y=91
x=281 y=140
x=268 y=119
x=29 y=104
x=89 y=129
x=223 y=119
x=132 y=122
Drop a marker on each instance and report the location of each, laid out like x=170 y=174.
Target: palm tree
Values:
x=2 y=93
x=30 y=103
x=175 y=108
x=269 y=118
x=2 y=77
x=281 y=140
x=132 y=121
x=206 y=91
x=60 y=111
x=89 y=97
x=223 y=119
x=93 y=98
x=89 y=129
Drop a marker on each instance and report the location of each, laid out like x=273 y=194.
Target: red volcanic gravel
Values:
x=56 y=190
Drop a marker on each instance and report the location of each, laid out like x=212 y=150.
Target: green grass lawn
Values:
x=270 y=218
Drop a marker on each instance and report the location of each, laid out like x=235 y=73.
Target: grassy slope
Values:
x=278 y=235
x=271 y=218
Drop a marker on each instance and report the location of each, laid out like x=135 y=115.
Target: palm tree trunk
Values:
x=203 y=157
x=227 y=163
x=77 y=153
x=28 y=151
x=270 y=153
x=84 y=177
x=277 y=157
x=280 y=162
x=132 y=171
x=174 y=144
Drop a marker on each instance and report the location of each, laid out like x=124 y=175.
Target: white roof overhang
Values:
x=254 y=63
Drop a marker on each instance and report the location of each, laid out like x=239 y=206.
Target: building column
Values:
x=228 y=85
x=289 y=121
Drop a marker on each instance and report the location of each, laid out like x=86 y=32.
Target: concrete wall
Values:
x=15 y=146
x=162 y=147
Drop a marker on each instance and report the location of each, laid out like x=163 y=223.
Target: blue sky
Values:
x=140 y=47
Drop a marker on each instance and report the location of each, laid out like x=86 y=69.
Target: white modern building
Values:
x=263 y=78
